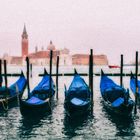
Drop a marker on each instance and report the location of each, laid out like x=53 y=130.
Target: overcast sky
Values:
x=109 y=27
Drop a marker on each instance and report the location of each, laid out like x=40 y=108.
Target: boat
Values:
x=39 y=100
x=115 y=97
x=113 y=66
x=8 y=95
x=133 y=85
x=77 y=97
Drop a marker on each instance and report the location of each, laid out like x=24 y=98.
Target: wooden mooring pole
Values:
x=89 y=83
x=121 y=71
x=31 y=66
x=51 y=56
x=57 y=71
x=136 y=74
x=1 y=80
x=91 y=74
x=0 y=66
x=5 y=73
x=27 y=74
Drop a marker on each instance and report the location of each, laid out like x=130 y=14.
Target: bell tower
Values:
x=24 y=42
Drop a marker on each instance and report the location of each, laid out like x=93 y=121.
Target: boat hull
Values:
x=28 y=109
x=9 y=102
x=75 y=110
x=133 y=87
x=122 y=110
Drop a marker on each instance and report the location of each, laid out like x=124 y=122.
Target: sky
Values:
x=110 y=27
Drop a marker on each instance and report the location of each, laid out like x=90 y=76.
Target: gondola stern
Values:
x=102 y=73
x=45 y=71
x=22 y=74
x=132 y=75
x=65 y=90
x=75 y=71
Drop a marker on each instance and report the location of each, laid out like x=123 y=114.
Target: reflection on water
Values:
x=124 y=125
x=29 y=125
x=72 y=125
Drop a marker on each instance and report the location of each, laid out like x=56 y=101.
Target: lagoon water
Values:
x=100 y=124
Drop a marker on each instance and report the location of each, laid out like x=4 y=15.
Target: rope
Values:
x=17 y=91
x=4 y=102
x=3 y=105
x=49 y=103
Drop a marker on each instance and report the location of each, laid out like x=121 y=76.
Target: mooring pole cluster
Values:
x=90 y=74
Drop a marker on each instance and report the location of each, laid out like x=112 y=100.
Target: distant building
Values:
x=65 y=58
x=42 y=57
x=100 y=60
x=83 y=59
x=18 y=60
x=7 y=58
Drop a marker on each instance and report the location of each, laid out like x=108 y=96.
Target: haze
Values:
x=110 y=27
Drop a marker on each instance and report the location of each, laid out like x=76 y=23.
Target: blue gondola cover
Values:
x=133 y=85
x=44 y=85
x=35 y=100
x=20 y=83
x=78 y=88
x=79 y=102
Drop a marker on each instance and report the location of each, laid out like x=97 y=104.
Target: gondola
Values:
x=115 y=97
x=133 y=86
x=39 y=100
x=8 y=96
x=77 y=97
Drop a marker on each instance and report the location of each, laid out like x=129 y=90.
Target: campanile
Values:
x=24 y=42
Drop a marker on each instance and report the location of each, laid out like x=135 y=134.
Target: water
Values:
x=99 y=125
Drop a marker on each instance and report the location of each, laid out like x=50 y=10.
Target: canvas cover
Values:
x=78 y=88
x=118 y=102
x=79 y=102
x=35 y=100
x=133 y=85
x=44 y=84
x=110 y=90
x=21 y=82
x=42 y=90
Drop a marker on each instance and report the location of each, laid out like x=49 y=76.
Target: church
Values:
x=39 y=57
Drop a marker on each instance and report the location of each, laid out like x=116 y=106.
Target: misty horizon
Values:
x=108 y=27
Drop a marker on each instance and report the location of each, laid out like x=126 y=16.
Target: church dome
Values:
x=51 y=46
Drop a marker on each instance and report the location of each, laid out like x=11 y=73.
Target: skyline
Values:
x=108 y=27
